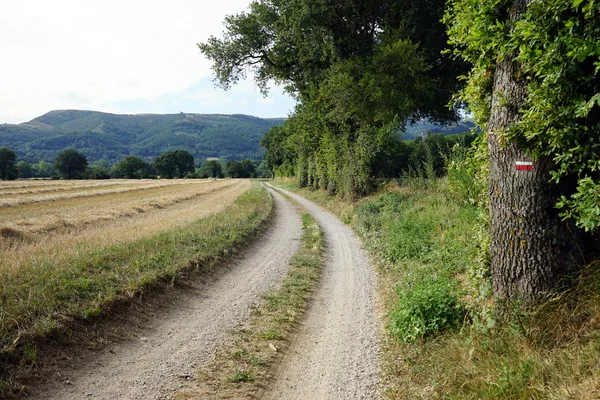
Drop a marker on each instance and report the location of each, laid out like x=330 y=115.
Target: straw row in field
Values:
x=65 y=244
x=20 y=199
x=75 y=212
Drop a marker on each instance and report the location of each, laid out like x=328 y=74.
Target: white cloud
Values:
x=97 y=55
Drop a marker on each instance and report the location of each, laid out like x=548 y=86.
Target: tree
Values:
x=360 y=69
x=70 y=164
x=172 y=163
x=535 y=87
x=24 y=169
x=133 y=167
x=240 y=169
x=44 y=169
x=185 y=162
x=8 y=167
x=211 y=169
x=100 y=169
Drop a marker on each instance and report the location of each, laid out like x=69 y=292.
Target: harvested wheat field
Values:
x=54 y=221
x=69 y=250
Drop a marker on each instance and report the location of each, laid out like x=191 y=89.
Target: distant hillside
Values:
x=112 y=137
x=423 y=128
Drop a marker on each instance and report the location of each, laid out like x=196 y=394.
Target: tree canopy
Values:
x=8 y=164
x=360 y=70
x=133 y=167
x=70 y=164
x=555 y=44
x=211 y=169
x=173 y=164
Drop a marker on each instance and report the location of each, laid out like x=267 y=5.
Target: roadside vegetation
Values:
x=47 y=293
x=242 y=367
x=444 y=339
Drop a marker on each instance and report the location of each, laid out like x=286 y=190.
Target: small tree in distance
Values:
x=25 y=170
x=70 y=164
x=211 y=169
x=174 y=163
x=8 y=164
x=133 y=167
x=240 y=169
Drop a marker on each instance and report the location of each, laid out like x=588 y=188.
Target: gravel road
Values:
x=335 y=352
x=153 y=364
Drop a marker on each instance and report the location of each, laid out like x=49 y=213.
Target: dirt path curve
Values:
x=335 y=353
x=151 y=365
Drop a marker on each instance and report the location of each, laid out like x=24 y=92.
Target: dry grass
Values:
x=58 y=231
x=88 y=206
x=69 y=276
x=243 y=366
x=70 y=191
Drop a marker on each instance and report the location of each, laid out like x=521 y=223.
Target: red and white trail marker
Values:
x=524 y=165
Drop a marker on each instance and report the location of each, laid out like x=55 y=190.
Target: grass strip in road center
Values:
x=243 y=366
x=46 y=298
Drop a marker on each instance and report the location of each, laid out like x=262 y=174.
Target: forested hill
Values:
x=111 y=137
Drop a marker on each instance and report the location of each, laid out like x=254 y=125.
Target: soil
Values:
x=162 y=357
x=336 y=350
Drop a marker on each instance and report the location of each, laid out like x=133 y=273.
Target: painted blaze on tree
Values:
x=535 y=87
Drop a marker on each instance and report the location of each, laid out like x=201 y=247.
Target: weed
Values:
x=271 y=335
x=425 y=308
x=242 y=376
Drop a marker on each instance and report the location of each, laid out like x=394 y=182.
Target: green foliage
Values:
x=428 y=239
x=425 y=308
x=360 y=72
x=70 y=164
x=24 y=170
x=173 y=164
x=44 y=169
x=468 y=170
x=112 y=137
x=240 y=169
x=133 y=167
x=556 y=45
x=242 y=376
x=8 y=166
x=100 y=169
x=584 y=205
x=211 y=169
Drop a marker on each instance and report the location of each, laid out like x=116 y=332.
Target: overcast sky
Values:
x=119 y=56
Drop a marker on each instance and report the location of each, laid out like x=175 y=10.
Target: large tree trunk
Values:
x=532 y=251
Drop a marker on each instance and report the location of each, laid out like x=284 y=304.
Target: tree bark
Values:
x=532 y=251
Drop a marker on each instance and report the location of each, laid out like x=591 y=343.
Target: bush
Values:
x=425 y=308
x=468 y=172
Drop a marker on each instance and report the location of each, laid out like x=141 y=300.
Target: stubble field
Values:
x=69 y=249
x=54 y=221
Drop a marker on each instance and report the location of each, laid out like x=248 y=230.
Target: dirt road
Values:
x=152 y=365
x=335 y=353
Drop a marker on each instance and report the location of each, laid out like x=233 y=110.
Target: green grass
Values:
x=254 y=349
x=242 y=376
x=425 y=244
x=46 y=297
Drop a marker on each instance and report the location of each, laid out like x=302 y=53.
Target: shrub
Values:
x=425 y=308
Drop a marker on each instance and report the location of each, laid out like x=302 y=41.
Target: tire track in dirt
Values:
x=152 y=365
x=335 y=352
